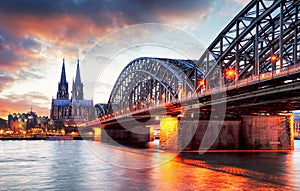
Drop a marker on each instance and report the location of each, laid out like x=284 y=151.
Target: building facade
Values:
x=69 y=111
x=22 y=122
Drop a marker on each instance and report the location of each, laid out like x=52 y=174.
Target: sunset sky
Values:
x=35 y=36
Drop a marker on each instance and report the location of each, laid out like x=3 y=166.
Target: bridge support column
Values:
x=168 y=139
x=135 y=136
x=246 y=133
x=268 y=132
x=97 y=134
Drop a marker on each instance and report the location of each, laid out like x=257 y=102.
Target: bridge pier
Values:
x=97 y=134
x=248 y=132
x=267 y=132
x=135 y=136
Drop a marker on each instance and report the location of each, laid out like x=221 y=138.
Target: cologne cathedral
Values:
x=68 y=111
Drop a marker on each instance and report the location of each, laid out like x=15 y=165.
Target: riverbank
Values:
x=43 y=138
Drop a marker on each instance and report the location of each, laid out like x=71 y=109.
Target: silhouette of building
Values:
x=22 y=122
x=68 y=112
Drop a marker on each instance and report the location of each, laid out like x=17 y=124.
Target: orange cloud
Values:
x=21 y=105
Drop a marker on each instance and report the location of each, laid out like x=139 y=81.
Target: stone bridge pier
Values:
x=247 y=133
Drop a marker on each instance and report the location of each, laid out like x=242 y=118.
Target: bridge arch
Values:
x=147 y=81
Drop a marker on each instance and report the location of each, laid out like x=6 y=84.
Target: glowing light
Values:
x=202 y=83
x=151 y=100
x=168 y=128
x=273 y=58
x=97 y=135
x=230 y=73
x=142 y=103
x=134 y=106
x=163 y=96
x=291 y=123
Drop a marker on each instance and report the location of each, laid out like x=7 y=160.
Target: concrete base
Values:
x=251 y=132
x=267 y=132
x=132 y=136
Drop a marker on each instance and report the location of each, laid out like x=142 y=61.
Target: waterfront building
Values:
x=22 y=122
x=3 y=123
x=296 y=124
x=67 y=112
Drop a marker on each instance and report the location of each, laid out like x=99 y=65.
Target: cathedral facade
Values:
x=66 y=110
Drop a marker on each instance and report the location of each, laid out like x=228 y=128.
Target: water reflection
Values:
x=70 y=165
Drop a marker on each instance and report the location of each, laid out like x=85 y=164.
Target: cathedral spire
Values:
x=77 y=89
x=63 y=73
x=77 y=78
x=62 y=92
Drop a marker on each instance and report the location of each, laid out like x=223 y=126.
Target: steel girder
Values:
x=263 y=28
x=146 y=82
x=100 y=109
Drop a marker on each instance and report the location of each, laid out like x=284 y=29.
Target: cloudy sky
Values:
x=35 y=35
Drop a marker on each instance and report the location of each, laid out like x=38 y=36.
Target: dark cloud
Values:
x=8 y=54
x=104 y=12
x=5 y=80
x=29 y=43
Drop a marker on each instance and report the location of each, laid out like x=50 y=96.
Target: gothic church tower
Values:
x=77 y=88
x=62 y=92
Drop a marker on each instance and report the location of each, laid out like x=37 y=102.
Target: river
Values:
x=87 y=165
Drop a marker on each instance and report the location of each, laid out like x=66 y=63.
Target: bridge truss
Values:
x=147 y=82
x=263 y=37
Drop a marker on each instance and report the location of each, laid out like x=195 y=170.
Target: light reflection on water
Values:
x=70 y=165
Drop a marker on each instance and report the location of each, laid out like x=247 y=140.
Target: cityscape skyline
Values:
x=36 y=36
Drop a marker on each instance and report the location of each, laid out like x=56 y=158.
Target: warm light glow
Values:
x=273 y=58
x=134 y=106
x=97 y=136
x=151 y=100
x=291 y=123
x=142 y=103
x=163 y=96
x=168 y=129
x=202 y=83
x=230 y=73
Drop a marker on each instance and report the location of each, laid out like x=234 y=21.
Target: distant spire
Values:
x=77 y=92
x=62 y=92
x=77 y=78
x=63 y=74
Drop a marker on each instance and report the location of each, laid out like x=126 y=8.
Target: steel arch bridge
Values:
x=260 y=43
x=147 y=82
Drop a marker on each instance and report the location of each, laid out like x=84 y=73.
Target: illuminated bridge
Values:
x=238 y=94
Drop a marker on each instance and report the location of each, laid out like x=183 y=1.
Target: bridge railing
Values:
x=251 y=80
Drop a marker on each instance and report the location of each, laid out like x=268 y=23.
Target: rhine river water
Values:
x=87 y=165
